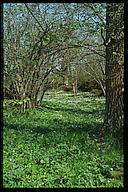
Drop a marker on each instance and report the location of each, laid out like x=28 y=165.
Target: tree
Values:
x=43 y=39
x=30 y=55
x=114 y=68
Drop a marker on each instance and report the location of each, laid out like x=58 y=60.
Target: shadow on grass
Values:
x=57 y=126
x=77 y=111
x=30 y=128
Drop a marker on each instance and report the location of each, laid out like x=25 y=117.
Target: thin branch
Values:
x=44 y=30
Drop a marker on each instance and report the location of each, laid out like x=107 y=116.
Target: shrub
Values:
x=97 y=92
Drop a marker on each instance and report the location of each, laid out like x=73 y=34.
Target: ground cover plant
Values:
x=56 y=145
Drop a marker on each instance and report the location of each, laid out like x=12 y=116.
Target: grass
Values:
x=56 y=146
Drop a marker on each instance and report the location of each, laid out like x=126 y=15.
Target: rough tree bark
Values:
x=114 y=68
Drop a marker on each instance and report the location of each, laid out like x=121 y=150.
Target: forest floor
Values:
x=56 y=146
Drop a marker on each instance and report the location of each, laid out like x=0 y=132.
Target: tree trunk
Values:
x=75 y=85
x=114 y=68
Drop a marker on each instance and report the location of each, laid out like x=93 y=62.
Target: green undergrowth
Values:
x=56 y=145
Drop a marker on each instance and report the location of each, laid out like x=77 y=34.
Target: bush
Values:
x=88 y=86
x=8 y=103
x=97 y=92
x=67 y=88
